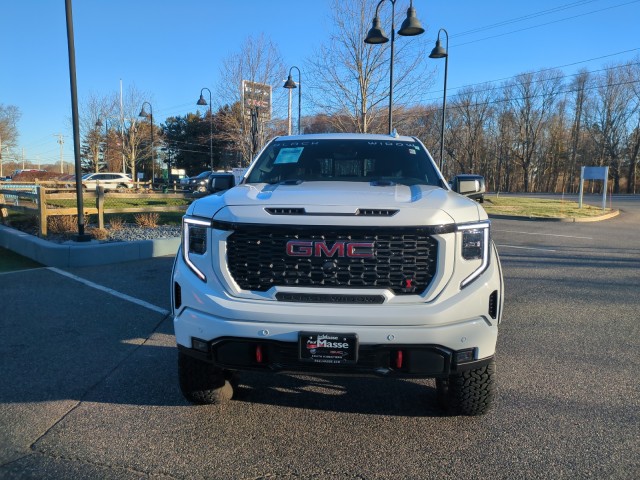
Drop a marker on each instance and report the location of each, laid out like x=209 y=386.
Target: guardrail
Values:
x=43 y=202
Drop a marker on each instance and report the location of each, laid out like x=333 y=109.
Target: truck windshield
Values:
x=376 y=161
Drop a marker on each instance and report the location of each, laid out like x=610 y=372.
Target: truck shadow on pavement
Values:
x=150 y=378
x=363 y=395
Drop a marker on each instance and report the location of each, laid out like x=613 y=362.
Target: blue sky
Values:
x=172 y=49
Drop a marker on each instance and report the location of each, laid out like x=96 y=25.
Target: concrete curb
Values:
x=74 y=254
x=599 y=218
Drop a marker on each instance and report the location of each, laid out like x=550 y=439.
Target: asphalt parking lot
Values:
x=89 y=383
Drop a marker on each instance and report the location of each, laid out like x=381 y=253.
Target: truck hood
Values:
x=323 y=202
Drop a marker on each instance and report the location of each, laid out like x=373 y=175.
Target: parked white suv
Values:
x=108 y=180
x=339 y=254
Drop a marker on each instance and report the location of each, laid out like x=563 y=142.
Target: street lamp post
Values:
x=150 y=117
x=439 y=52
x=409 y=28
x=290 y=85
x=202 y=101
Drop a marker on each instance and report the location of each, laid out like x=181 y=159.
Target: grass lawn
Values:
x=539 y=207
x=120 y=202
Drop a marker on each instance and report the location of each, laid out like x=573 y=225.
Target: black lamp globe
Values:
x=290 y=83
x=376 y=35
x=411 y=25
x=438 y=51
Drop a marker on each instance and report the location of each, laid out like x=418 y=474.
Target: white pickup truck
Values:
x=339 y=254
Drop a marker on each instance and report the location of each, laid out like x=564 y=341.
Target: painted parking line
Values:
x=110 y=291
x=544 y=234
x=527 y=248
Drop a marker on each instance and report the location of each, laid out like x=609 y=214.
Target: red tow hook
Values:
x=399 y=358
x=259 y=356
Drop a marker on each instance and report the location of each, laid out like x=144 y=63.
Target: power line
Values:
x=545 y=24
x=522 y=18
x=546 y=70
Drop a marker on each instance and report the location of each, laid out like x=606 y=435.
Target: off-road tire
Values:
x=468 y=393
x=202 y=383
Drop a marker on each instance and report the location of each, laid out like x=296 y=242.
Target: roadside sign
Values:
x=256 y=96
x=594 y=173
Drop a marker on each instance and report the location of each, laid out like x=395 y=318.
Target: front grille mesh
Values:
x=404 y=259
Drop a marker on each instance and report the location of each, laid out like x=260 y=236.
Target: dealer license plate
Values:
x=328 y=348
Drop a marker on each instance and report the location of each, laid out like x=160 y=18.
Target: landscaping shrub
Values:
x=116 y=223
x=148 y=220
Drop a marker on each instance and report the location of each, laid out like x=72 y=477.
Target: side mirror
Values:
x=472 y=186
x=465 y=187
x=220 y=183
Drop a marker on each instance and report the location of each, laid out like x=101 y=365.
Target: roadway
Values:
x=89 y=383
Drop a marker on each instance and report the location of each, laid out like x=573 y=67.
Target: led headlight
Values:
x=194 y=242
x=475 y=246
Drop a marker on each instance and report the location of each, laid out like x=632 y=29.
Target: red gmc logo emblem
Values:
x=308 y=248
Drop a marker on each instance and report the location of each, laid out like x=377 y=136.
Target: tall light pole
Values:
x=150 y=117
x=202 y=101
x=290 y=85
x=81 y=237
x=409 y=28
x=439 y=52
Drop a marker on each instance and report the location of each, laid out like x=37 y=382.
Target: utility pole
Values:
x=61 y=142
x=23 y=158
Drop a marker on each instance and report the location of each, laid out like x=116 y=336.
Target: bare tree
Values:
x=350 y=79
x=578 y=87
x=608 y=113
x=531 y=97
x=633 y=142
x=258 y=61
x=469 y=115
x=553 y=148
x=9 y=116
x=94 y=113
x=134 y=131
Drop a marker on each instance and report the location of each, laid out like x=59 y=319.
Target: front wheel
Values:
x=202 y=383
x=468 y=393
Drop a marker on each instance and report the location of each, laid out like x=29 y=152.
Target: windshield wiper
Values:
x=296 y=181
x=382 y=182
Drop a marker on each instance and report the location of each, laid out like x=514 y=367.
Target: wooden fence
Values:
x=41 y=202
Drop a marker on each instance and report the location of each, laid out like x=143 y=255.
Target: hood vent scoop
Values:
x=286 y=211
x=376 y=212
x=361 y=212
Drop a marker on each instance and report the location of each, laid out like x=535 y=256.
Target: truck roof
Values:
x=346 y=136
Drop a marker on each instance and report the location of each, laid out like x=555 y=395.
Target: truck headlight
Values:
x=194 y=242
x=475 y=246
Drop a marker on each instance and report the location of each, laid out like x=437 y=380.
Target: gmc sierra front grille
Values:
x=400 y=259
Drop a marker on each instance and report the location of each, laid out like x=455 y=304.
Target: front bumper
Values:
x=380 y=360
